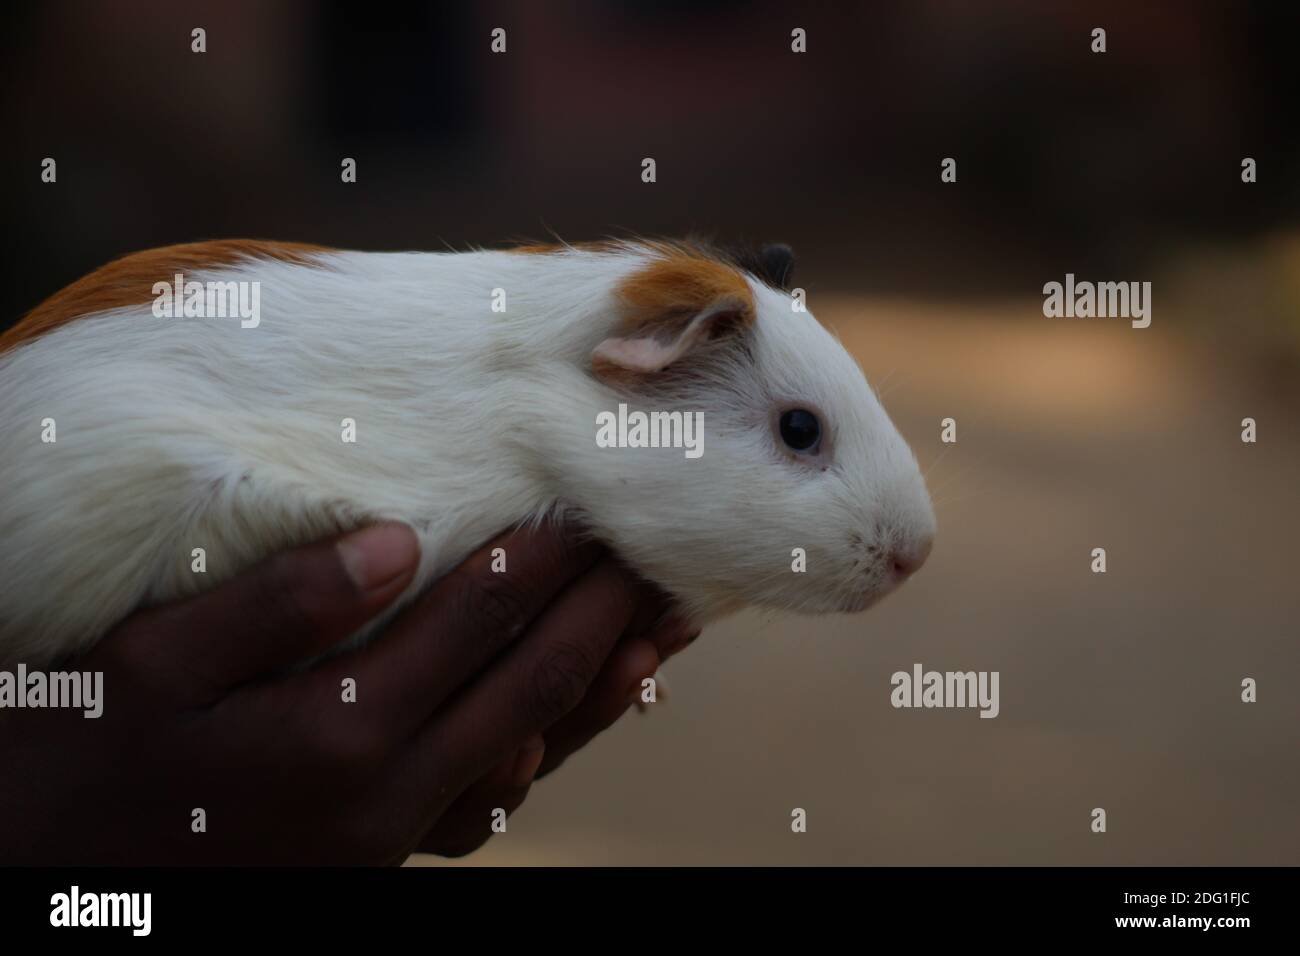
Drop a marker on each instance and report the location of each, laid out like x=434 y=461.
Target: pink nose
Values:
x=909 y=557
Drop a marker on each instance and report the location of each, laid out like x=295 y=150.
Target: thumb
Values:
x=291 y=607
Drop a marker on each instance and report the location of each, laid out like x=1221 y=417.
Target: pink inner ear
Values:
x=639 y=355
x=648 y=354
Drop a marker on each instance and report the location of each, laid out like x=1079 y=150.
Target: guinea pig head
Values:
x=798 y=493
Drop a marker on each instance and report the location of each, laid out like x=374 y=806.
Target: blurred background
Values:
x=1119 y=690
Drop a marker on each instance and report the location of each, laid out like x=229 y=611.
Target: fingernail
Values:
x=376 y=556
x=670 y=634
x=528 y=760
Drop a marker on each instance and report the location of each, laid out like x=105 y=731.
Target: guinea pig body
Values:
x=460 y=393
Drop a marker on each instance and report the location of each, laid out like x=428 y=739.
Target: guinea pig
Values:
x=245 y=397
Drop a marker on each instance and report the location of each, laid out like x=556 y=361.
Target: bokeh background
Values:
x=1119 y=690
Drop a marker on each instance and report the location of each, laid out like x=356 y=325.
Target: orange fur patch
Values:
x=680 y=285
x=684 y=279
x=129 y=281
x=661 y=302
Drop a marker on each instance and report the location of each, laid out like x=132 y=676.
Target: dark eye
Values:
x=800 y=429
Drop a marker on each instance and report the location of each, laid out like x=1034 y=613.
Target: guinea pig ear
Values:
x=671 y=307
x=773 y=263
x=777 y=263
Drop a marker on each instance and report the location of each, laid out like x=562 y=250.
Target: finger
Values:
x=289 y=608
x=611 y=694
x=540 y=680
x=671 y=634
x=468 y=823
x=633 y=661
x=451 y=633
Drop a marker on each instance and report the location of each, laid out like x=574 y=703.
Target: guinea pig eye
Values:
x=800 y=429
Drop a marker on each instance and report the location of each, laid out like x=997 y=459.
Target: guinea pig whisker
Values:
x=950 y=482
x=880 y=389
x=952 y=499
x=942 y=455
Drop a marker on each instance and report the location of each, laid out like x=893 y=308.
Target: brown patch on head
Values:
x=678 y=300
x=677 y=283
x=129 y=281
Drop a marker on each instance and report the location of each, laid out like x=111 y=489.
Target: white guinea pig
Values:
x=248 y=397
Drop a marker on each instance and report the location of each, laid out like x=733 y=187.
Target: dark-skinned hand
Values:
x=482 y=683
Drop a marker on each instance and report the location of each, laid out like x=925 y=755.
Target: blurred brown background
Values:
x=1118 y=690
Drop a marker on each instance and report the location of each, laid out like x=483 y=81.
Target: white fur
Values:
x=180 y=433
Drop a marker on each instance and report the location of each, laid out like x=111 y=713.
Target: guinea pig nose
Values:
x=908 y=558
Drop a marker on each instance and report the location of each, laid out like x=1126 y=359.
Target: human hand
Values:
x=481 y=682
